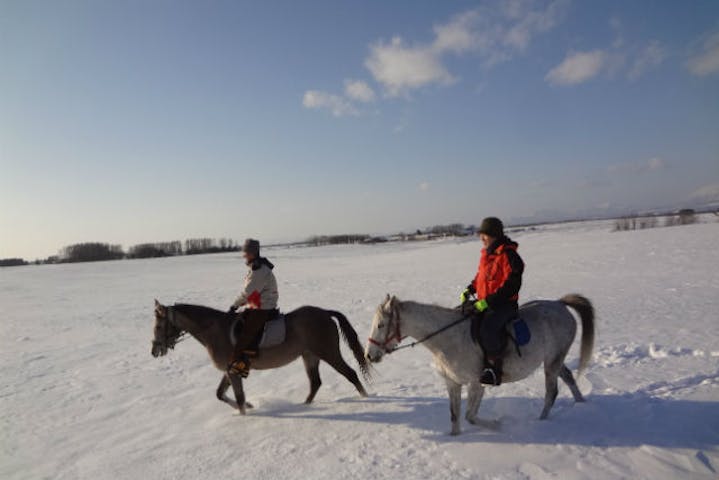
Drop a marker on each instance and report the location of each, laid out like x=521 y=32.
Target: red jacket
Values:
x=499 y=276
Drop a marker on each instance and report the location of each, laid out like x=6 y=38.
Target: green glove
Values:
x=465 y=295
x=481 y=305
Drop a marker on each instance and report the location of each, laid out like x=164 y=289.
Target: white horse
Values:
x=459 y=359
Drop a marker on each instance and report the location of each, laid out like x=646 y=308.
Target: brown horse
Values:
x=310 y=333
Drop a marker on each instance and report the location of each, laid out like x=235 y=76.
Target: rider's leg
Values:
x=494 y=341
x=254 y=321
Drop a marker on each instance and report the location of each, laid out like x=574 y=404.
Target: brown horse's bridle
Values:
x=166 y=342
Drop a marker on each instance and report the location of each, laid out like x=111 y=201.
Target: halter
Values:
x=391 y=336
x=166 y=341
x=398 y=335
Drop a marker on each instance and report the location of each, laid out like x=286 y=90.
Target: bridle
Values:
x=397 y=334
x=169 y=341
x=392 y=334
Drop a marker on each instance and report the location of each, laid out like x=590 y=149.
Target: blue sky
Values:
x=139 y=121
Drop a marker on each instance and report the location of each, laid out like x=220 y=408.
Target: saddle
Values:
x=516 y=330
x=273 y=333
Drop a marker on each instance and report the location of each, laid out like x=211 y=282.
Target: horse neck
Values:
x=418 y=320
x=197 y=327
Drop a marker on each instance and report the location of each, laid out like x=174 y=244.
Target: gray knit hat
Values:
x=493 y=227
x=252 y=247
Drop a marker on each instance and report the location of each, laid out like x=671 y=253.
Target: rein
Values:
x=171 y=319
x=427 y=337
x=398 y=335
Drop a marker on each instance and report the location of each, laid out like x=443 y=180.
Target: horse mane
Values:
x=430 y=306
x=200 y=313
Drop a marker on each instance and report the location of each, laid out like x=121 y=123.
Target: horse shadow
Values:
x=610 y=420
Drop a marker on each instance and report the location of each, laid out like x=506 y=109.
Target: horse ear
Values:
x=385 y=303
x=394 y=306
x=160 y=309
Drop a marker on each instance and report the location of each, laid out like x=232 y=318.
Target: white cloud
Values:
x=708 y=193
x=423 y=187
x=654 y=164
x=494 y=33
x=339 y=106
x=634 y=61
x=458 y=35
x=359 y=90
x=706 y=62
x=530 y=22
x=650 y=57
x=578 y=67
x=399 y=67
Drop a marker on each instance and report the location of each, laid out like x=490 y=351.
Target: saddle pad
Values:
x=274 y=333
x=522 y=334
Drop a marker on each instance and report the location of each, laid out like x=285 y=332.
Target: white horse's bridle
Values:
x=392 y=335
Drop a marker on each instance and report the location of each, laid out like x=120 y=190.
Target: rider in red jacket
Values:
x=496 y=286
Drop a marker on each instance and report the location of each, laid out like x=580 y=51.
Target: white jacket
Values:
x=260 y=291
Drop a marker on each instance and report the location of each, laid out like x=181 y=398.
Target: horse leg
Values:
x=236 y=382
x=222 y=389
x=337 y=362
x=455 y=404
x=474 y=398
x=312 y=367
x=566 y=375
x=551 y=372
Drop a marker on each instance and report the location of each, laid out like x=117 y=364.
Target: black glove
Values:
x=468 y=308
x=232 y=309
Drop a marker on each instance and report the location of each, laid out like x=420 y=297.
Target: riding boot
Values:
x=240 y=366
x=492 y=373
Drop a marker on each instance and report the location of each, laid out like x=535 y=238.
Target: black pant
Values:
x=253 y=324
x=492 y=328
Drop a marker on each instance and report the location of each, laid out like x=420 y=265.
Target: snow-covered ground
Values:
x=81 y=397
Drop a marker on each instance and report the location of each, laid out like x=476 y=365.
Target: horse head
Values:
x=166 y=333
x=385 y=334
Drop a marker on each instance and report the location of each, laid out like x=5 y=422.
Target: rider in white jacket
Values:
x=259 y=297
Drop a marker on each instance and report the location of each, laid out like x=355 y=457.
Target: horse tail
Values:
x=584 y=308
x=350 y=336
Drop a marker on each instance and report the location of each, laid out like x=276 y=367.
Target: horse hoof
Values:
x=249 y=405
x=456 y=432
x=488 y=424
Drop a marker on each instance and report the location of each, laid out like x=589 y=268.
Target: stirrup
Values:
x=239 y=367
x=490 y=377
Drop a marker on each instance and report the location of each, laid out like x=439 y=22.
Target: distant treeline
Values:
x=91 y=252
x=686 y=216
x=98 y=251
x=12 y=262
x=337 y=239
x=436 y=231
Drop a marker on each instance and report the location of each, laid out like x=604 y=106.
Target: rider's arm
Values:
x=513 y=283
